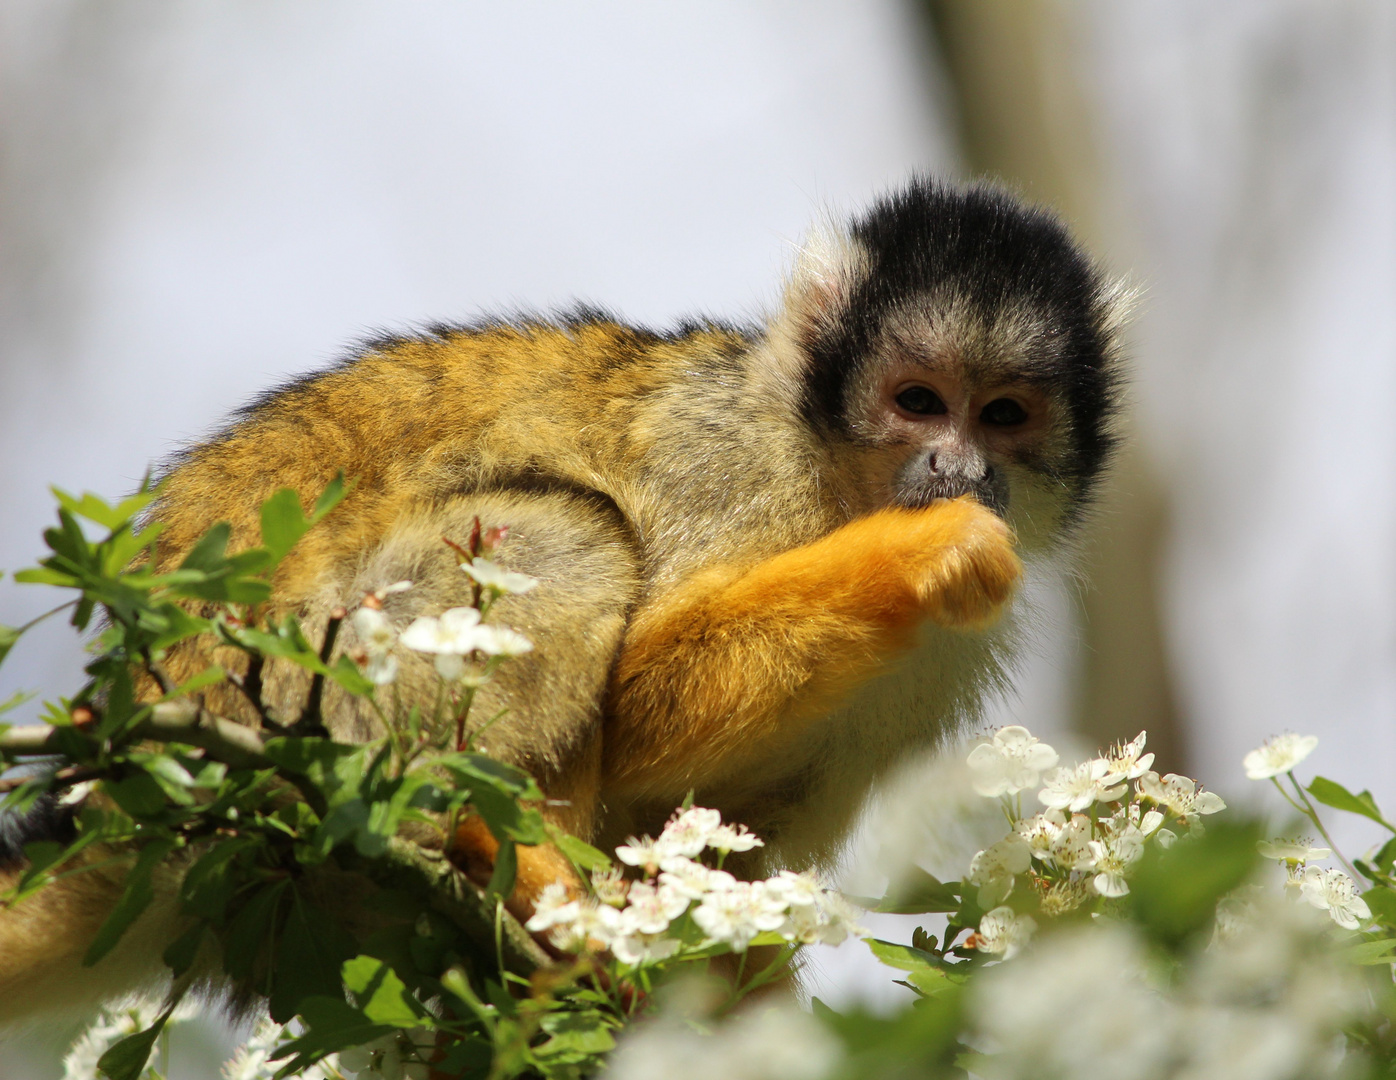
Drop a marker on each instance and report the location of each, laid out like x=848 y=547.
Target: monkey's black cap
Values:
x=989 y=253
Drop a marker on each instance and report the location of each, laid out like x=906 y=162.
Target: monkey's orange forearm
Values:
x=733 y=661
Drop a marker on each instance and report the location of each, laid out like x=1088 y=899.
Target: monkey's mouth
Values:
x=926 y=491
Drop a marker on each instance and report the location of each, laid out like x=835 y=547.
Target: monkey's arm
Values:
x=732 y=663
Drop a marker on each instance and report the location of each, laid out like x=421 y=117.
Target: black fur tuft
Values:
x=983 y=246
x=45 y=820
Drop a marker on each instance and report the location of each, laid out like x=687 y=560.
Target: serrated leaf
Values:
x=251 y=928
x=918 y=893
x=1333 y=794
x=134 y=900
x=310 y=951
x=381 y=995
x=575 y=1036
x=128 y=1058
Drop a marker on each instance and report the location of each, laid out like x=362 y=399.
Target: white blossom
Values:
x=1003 y=932
x=1009 y=762
x=1181 y=795
x=588 y=926
x=737 y=915
x=1288 y=850
x=376 y=634
x=501 y=641
x=994 y=869
x=114 y=1023
x=610 y=886
x=636 y=948
x=401 y=1055
x=1278 y=755
x=692 y=879
x=689 y=831
x=494 y=577
x=455 y=634
x=729 y=838
x=783 y=1043
x=797 y=890
x=1071 y=850
x=1112 y=856
x=1334 y=892
x=650 y=909
x=643 y=851
x=1126 y=761
x=554 y=906
x=1078 y=787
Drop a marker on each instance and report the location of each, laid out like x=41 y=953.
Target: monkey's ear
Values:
x=830 y=266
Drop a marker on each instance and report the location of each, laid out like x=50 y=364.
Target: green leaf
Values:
x=1174 y=892
x=345 y=672
x=1376 y=951
x=1382 y=901
x=506 y=869
x=251 y=928
x=8 y=636
x=181 y=953
x=283 y=523
x=926 y=971
x=580 y=852
x=310 y=950
x=211 y=881
x=576 y=1036
x=14 y=701
x=138 y=794
x=133 y=901
x=208 y=677
x=209 y=555
x=333 y=1026
x=917 y=894
x=1333 y=794
x=44 y=575
x=381 y=995
x=95 y=508
x=127 y=1059
x=334 y=493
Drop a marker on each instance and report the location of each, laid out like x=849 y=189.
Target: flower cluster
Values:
x=1099 y=816
x=680 y=902
x=452 y=638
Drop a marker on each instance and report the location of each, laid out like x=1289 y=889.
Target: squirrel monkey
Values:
x=771 y=559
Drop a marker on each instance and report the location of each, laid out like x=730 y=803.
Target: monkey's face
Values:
x=952 y=404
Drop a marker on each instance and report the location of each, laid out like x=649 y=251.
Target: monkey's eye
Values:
x=1003 y=412
x=921 y=400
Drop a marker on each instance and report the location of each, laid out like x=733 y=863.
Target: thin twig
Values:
x=73 y=774
x=182 y=721
x=311 y=722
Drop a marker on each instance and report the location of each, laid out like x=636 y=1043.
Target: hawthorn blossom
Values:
x=1181 y=795
x=689 y=831
x=610 y=886
x=1003 y=932
x=1278 y=755
x=1078 y=787
x=501 y=641
x=1125 y=761
x=495 y=578
x=650 y=909
x=693 y=879
x=1334 y=892
x=1009 y=762
x=1071 y=850
x=452 y=636
x=375 y=632
x=1113 y=856
x=994 y=869
x=591 y=925
x=401 y=1055
x=729 y=838
x=1041 y=832
x=797 y=890
x=737 y=915
x=637 y=948
x=553 y=907
x=1292 y=851
x=643 y=851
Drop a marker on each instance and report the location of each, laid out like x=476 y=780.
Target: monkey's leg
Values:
x=732 y=663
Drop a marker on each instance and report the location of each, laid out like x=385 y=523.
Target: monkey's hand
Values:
x=733 y=663
x=963 y=557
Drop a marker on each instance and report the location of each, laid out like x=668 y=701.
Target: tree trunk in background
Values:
x=1024 y=121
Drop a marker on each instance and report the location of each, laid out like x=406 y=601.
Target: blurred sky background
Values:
x=199 y=200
